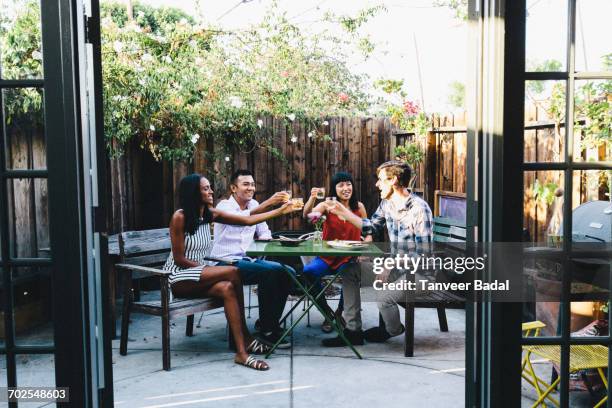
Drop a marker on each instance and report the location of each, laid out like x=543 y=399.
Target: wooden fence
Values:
x=544 y=143
x=27 y=203
x=444 y=165
x=142 y=192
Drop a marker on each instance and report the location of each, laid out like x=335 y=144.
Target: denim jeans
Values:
x=273 y=283
x=351 y=276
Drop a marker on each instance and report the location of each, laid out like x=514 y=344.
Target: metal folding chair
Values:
x=582 y=357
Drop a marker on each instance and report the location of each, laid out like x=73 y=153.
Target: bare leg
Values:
x=227 y=292
x=210 y=276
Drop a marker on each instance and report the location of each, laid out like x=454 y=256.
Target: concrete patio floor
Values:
x=203 y=372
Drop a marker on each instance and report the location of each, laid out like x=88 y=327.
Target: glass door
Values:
x=50 y=237
x=567 y=174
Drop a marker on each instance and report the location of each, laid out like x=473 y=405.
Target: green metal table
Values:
x=307 y=248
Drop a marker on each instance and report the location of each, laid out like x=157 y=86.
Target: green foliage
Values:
x=456 y=98
x=352 y=23
x=168 y=81
x=460 y=7
x=405 y=114
x=390 y=86
x=410 y=152
x=152 y=88
x=555 y=106
x=551 y=65
x=593 y=103
x=150 y=18
x=417 y=123
x=202 y=81
x=544 y=193
x=20 y=42
x=607 y=62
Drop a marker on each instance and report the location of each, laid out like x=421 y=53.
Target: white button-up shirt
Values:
x=232 y=241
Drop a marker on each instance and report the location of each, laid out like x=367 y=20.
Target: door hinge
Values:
x=92 y=30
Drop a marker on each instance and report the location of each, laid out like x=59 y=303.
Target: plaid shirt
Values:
x=412 y=223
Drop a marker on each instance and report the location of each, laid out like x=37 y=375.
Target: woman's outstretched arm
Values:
x=233 y=219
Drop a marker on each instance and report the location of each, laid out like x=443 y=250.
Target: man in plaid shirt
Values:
x=409 y=223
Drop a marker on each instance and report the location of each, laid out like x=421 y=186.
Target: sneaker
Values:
x=378 y=334
x=271 y=338
x=354 y=337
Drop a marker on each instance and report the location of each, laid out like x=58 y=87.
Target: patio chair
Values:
x=446 y=232
x=440 y=301
x=532 y=329
x=582 y=357
x=143 y=253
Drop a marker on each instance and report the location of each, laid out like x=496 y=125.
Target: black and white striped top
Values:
x=197 y=246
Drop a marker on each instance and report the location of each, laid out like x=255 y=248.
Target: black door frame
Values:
x=496 y=136
x=65 y=28
x=495 y=191
x=70 y=149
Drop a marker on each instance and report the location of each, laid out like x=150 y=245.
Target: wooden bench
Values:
x=143 y=254
x=445 y=230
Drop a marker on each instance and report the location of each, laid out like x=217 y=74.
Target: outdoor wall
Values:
x=444 y=165
x=28 y=227
x=544 y=143
x=142 y=192
x=28 y=214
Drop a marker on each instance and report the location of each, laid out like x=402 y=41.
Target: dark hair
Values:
x=238 y=173
x=339 y=178
x=190 y=200
x=401 y=169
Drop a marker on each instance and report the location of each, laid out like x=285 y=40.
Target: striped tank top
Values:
x=197 y=246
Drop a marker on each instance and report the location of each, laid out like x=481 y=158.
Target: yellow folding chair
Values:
x=582 y=357
x=532 y=329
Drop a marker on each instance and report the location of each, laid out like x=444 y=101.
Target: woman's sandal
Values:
x=255 y=364
x=257 y=347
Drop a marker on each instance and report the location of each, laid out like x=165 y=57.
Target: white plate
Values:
x=347 y=244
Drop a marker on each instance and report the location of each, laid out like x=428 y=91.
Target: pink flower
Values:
x=343 y=98
x=314 y=216
x=411 y=108
x=317 y=219
x=284 y=74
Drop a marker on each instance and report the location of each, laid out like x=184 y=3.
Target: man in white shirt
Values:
x=231 y=241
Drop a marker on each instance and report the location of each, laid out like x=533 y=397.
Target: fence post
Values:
x=431 y=166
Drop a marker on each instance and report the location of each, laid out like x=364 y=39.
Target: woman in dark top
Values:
x=194 y=276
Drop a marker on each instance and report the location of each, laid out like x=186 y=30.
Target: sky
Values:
x=440 y=38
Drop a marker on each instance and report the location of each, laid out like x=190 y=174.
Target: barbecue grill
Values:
x=592 y=222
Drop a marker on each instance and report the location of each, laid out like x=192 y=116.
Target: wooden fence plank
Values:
x=23 y=204
x=355 y=150
x=41 y=195
x=459 y=162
